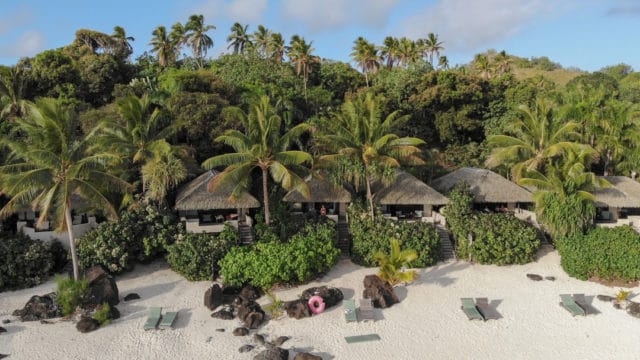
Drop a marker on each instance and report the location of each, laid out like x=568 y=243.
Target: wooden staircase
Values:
x=344 y=237
x=246 y=234
x=446 y=246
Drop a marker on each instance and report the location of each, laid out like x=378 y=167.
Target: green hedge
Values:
x=498 y=238
x=141 y=235
x=24 y=262
x=372 y=236
x=196 y=256
x=608 y=253
x=266 y=263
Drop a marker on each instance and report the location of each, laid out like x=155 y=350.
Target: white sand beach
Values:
x=427 y=324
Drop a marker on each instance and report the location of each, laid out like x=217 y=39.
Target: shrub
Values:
x=59 y=255
x=24 y=262
x=498 y=238
x=607 y=253
x=392 y=265
x=70 y=294
x=373 y=236
x=103 y=314
x=307 y=254
x=196 y=256
x=141 y=234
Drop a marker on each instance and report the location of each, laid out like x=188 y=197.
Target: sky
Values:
x=586 y=34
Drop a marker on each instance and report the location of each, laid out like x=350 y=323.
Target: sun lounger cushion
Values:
x=167 y=320
x=569 y=304
x=155 y=313
x=349 y=310
x=584 y=304
x=469 y=308
x=361 y=338
x=486 y=310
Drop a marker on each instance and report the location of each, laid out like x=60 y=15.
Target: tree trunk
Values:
x=265 y=196
x=72 y=245
x=366 y=77
x=370 y=198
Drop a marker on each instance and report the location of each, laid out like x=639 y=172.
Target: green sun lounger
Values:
x=155 y=313
x=167 y=320
x=571 y=306
x=469 y=308
x=350 y=310
x=361 y=338
x=486 y=310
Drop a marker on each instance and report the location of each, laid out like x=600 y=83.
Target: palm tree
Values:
x=408 y=52
x=12 y=102
x=389 y=51
x=53 y=166
x=301 y=54
x=536 y=138
x=140 y=138
x=162 y=46
x=163 y=171
x=432 y=46
x=122 y=41
x=563 y=198
x=365 y=54
x=262 y=38
x=392 y=265
x=443 y=63
x=238 y=39
x=503 y=63
x=197 y=37
x=276 y=47
x=483 y=66
x=263 y=146
x=357 y=135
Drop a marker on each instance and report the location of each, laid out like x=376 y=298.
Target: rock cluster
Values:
x=379 y=291
x=300 y=309
x=39 y=308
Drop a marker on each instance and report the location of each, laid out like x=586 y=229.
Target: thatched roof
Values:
x=195 y=196
x=486 y=186
x=320 y=190
x=406 y=189
x=623 y=193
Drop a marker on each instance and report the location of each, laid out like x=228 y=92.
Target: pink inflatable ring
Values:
x=316 y=304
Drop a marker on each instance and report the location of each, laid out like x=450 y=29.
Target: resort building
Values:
x=618 y=204
x=27 y=224
x=207 y=211
x=325 y=198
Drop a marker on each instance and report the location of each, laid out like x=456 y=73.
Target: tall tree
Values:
x=365 y=54
x=301 y=55
x=536 y=138
x=262 y=39
x=433 y=46
x=122 y=42
x=52 y=166
x=197 y=38
x=12 y=101
x=358 y=135
x=276 y=47
x=389 y=51
x=262 y=145
x=408 y=52
x=443 y=63
x=162 y=45
x=482 y=65
x=239 y=38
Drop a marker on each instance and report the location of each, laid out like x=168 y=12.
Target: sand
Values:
x=427 y=324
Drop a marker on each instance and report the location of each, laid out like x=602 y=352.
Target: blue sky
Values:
x=588 y=34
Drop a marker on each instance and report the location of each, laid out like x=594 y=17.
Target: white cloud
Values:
x=330 y=15
x=468 y=25
x=244 y=11
x=27 y=44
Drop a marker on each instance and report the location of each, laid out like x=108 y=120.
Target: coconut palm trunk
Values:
x=265 y=195
x=370 y=197
x=72 y=245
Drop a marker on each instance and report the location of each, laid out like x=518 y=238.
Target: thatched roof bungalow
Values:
x=405 y=193
x=624 y=194
x=321 y=192
x=486 y=186
x=197 y=205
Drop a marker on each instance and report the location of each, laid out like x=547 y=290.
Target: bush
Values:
x=498 y=238
x=141 y=234
x=23 y=262
x=606 y=253
x=307 y=254
x=196 y=256
x=374 y=236
x=103 y=314
x=70 y=294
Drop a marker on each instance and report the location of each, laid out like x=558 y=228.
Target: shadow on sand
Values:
x=439 y=274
